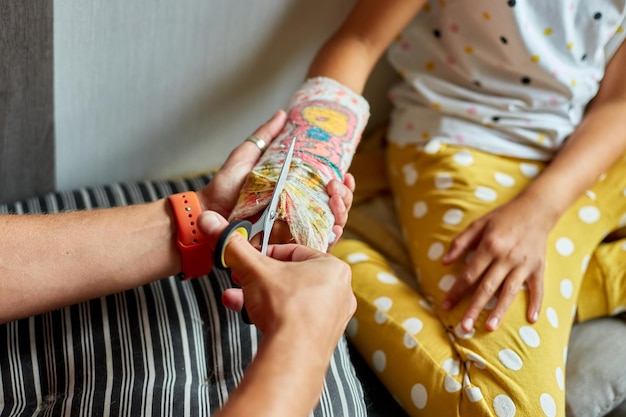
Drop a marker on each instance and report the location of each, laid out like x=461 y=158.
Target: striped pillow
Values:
x=164 y=349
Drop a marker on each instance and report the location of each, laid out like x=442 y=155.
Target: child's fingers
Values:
x=535 y=289
x=337 y=231
x=349 y=182
x=507 y=294
x=463 y=242
x=339 y=210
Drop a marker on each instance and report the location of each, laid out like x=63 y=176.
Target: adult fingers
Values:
x=244 y=260
x=222 y=192
x=293 y=253
x=241 y=257
x=268 y=131
x=232 y=299
x=248 y=153
x=212 y=224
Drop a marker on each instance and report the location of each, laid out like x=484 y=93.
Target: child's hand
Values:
x=341 y=196
x=509 y=247
x=326 y=119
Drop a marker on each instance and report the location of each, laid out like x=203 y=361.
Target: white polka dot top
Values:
x=510 y=77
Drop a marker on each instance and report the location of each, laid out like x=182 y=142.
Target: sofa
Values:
x=31 y=366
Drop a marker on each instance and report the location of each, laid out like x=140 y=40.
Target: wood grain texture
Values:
x=26 y=99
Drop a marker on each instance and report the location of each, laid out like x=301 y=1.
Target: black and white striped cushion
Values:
x=165 y=349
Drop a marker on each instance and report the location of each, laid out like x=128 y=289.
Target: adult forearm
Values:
x=285 y=379
x=49 y=261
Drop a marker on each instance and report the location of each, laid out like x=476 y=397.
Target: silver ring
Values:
x=260 y=143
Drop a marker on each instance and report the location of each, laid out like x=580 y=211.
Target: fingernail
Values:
x=209 y=221
x=468 y=324
x=535 y=316
x=493 y=323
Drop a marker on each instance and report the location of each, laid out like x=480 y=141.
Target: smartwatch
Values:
x=193 y=245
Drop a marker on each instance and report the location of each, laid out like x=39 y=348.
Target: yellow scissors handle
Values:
x=244 y=227
x=238 y=226
x=263 y=224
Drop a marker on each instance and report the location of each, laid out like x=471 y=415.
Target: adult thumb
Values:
x=236 y=250
x=244 y=260
x=212 y=224
x=237 y=253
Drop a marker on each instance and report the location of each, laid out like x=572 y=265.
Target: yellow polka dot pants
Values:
x=419 y=351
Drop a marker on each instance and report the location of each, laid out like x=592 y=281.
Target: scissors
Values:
x=263 y=224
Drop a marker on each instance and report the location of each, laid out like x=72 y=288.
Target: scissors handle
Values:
x=238 y=226
x=264 y=224
x=244 y=227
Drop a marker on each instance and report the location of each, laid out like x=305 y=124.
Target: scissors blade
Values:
x=273 y=205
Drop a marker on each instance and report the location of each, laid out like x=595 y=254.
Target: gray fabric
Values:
x=26 y=99
x=620 y=411
x=596 y=369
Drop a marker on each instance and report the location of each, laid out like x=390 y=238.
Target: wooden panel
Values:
x=26 y=99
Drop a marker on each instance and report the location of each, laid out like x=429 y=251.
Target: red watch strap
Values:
x=192 y=243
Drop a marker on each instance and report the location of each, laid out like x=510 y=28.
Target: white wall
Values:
x=153 y=89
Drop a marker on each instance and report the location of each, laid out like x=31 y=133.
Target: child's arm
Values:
x=351 y=53
x=327 y=116
x=508 y=241
x=595 y=145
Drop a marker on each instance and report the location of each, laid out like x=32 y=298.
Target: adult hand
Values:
x=221 y=194
x=300 y=300
x=292 y=287
x=509 y=249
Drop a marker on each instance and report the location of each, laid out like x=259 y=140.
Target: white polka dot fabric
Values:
x=421 y=353
x=509 y=77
